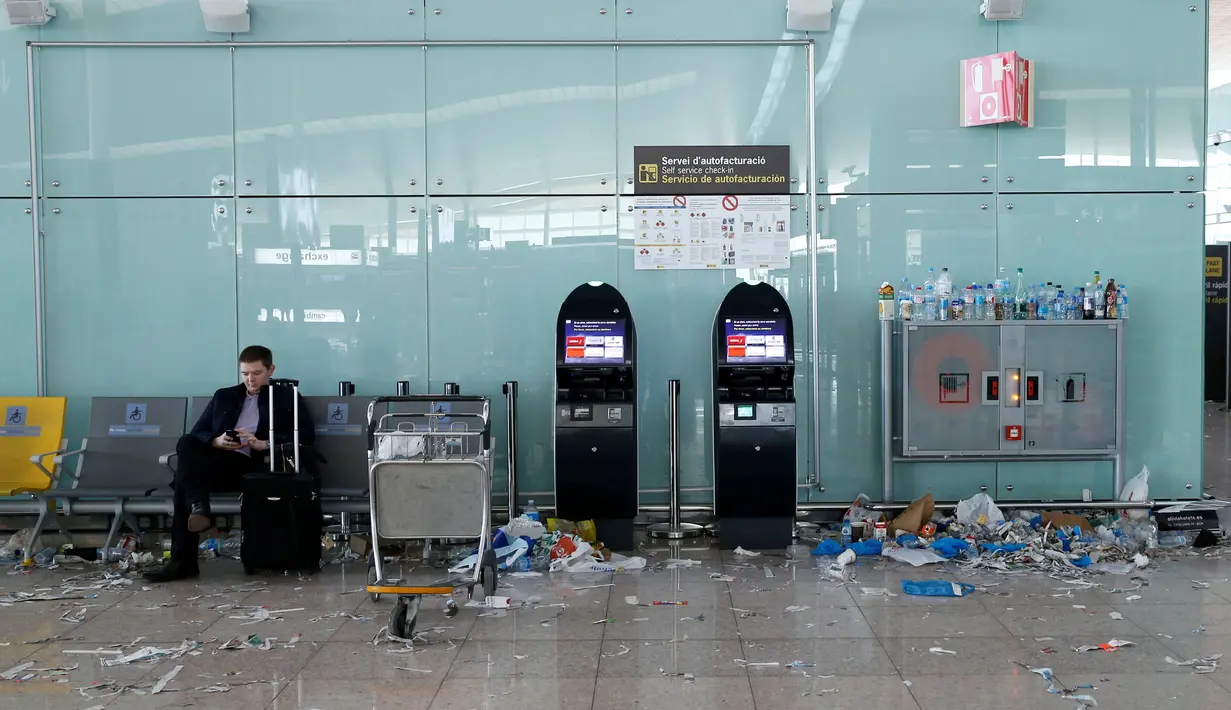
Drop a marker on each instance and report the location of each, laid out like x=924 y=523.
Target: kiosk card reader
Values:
x=595 y=413
x=754 y=432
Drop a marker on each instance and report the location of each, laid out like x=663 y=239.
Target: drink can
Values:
x=928 y=529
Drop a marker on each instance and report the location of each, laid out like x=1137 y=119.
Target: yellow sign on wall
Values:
x=1213 y=267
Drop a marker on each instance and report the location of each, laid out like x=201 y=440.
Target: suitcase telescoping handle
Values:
x=273 y=447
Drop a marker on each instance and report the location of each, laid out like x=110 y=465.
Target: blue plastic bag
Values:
x=907 y=540
x=994 y=547
x=828 y=547
x=948 y=547
x=866 y=548
x=937 y=588
x=1083 y=562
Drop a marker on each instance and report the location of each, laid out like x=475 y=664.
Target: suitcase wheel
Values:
x=403 y=617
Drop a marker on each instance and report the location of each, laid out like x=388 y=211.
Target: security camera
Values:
x=29 y=12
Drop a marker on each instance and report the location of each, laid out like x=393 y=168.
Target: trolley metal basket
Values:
x=429 y=477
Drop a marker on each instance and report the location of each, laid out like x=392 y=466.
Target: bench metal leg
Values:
x=55 y=520
x=37 y=533
x=116 y=519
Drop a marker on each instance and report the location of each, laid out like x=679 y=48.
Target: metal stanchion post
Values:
x=510 y=404
x=674 y=529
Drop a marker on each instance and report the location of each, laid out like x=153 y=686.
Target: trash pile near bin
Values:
x=528 y=547
x=981 y=536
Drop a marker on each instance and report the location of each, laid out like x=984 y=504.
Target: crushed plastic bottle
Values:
x=46 y=557
x=229 y=547
x=113 y=554
x=531 y=512
x=1174 y=538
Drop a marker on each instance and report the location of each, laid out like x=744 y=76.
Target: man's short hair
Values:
x=257 y=353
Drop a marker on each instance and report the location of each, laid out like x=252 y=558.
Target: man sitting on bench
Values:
x=230 y=440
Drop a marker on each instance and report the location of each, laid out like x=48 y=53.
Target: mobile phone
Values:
x=232 y=435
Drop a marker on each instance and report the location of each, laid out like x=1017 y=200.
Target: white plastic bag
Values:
x=859 y=510
x=505 y=556
x=521 y=526
x=583 y=560
x=391 y=448
x=1136 y=490
x=913 y=557
x=979 y=510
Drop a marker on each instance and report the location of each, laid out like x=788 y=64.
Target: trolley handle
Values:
x=428 y=398
x=486 y=432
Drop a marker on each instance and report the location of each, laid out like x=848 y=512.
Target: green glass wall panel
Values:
x=701 y=19
x=1061 y=480
x=498 y=270
x=865 y=240
x=329 y=20
x=1111 y=116
x=17 y=363
x=135 y=121
x=536 y=120
x=945 y=481
x=531 y=19
x=15 y=149
x=1152 y=244
x=675 y=319
x=887 y=91
x=337 y=287
x=126 y=21
x=140 y=300
x=326 y=122
x=745 y=95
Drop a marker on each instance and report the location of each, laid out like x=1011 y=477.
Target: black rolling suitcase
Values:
x=280 y=511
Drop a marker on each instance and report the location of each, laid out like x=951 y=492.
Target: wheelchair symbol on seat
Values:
x=136 y=414
x=17 y=415
x=338 y=415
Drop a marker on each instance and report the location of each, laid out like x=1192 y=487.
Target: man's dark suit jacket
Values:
x=223 y=413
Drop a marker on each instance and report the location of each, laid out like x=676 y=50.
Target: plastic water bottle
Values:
x=46 y=557
x=1174 y=538
x=929 y=303
x=930 y=281
x=230 y=547
x=968 y=303
x=112 y=554
x=1020 y=297
x=944 y=284
x=980 y=310
x=1057 y=304
x=1044 y=306
x=846 y=532
x=531 y=511
x=1122 y=299
x=904 y=300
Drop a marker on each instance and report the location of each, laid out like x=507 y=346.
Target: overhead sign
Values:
x=713 y=170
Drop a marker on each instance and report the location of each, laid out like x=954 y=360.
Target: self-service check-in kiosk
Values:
x=595 y=413
x=754 y=432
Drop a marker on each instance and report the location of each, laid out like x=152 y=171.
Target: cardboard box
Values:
x=998 y=88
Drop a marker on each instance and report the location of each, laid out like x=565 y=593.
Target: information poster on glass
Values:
x=712 y=232
x=755 y=341
x=594 y=342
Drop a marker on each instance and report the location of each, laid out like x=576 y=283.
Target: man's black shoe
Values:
x=199 y=520
x=173 y=571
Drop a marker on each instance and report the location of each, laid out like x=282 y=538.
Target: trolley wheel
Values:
x=403 y=617
x=489 y=573
x=374 y=596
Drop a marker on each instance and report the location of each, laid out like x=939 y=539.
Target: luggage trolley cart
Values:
x=429 y=476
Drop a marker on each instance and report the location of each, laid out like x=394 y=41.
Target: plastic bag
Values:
x=979 y=510
x=915 y=558
x=948 y=547
x=505 y=556
x=394 y=448
x=937 y=588
x=521 y=526
x=859 y=511
x=1136 y=490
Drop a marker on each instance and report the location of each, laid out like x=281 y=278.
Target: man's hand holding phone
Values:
x=247 y=439
x=229 y=441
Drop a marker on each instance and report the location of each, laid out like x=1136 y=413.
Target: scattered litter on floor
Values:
x=800 y=665
x=1116 y=615
x=746 y=553
x=796 y=609
x=742 y=663
x=152 y=652
x=412 y=670
x=678 y=563
x=1055 y=687
x=876 y=592
x=592 y=586
x=1132 y=597
x=719 y=577
x=939 y=650
x=937 y=588
x=623 y=650
x=1201 y=665
x=1109 y=647
x=162 y=682
x=668 y=603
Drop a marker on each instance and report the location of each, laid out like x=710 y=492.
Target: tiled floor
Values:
x=589 y=648
x=856 y=649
